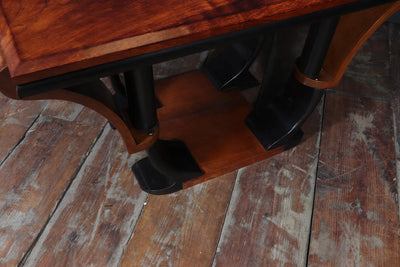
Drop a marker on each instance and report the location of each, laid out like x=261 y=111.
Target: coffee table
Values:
x=196 y=126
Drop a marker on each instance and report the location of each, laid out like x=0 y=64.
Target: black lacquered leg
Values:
x=316 y=46
x=169 y=164
x=279 y=114
x=229 y=68
x=141 y=98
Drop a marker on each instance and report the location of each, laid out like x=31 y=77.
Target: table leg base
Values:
x=169 y=164
x=152 y=181
x=211 y=124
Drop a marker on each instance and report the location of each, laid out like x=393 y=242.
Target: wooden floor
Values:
x=68 y=196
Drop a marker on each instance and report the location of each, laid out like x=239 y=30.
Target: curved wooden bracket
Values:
x=94 y=95
x=351 y=33
x=325 y=80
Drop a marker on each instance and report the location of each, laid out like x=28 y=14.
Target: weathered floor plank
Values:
x=268 y=220
x=15 y=118
x=34 y=177
x=356 y=220
x=96 y=218
x=394 y=46
x=181 y=229
x=369 y=73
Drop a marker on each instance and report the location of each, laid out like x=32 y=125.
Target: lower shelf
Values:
x=210 y=123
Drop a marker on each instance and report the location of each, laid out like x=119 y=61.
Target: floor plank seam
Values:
x=133 y=230
x=395 y=108
x=396 y=156
x=23 y=137
x=321 y=127
x=86 y=155
x=226 y=215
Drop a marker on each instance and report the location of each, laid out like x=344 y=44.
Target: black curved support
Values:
x=229 y=68
x=169 y=164
x=278 y=115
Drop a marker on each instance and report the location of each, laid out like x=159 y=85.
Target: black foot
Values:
x=271 y=133
x=152 y=181
x=277 y=122
x=167 y=167
x=293 y=140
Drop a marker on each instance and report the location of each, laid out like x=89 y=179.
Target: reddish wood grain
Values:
x=45 y=38
x=210 y=123
x=181 y=229
x=98 y=214
x=268 y=221
x=356 y=217
x=188 y=94
x=35 y=175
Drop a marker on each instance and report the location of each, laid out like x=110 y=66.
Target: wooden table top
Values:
x=45 y=38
